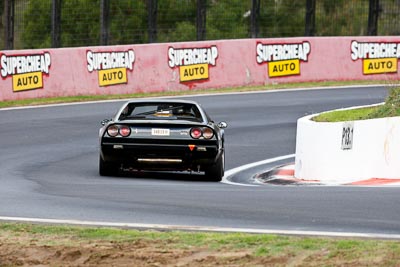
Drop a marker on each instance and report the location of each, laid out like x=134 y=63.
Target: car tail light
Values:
x=124 y=131
x=208 y=133
x=196 y=133
x=112 y=130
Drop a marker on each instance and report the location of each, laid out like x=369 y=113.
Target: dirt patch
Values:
x=23 y=250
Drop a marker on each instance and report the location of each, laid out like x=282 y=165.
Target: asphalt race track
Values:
x=49 y=169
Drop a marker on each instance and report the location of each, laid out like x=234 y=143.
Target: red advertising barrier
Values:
x=194 y=65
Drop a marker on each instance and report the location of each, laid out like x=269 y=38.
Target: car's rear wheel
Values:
x=217 y=170
x=107 y=169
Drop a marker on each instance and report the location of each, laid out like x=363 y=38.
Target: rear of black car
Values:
x=160 y=146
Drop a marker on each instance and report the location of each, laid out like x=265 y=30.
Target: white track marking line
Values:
x=200 y=228
x=196 y=95
x=232 y=172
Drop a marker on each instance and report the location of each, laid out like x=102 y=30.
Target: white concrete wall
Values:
x=375 y=151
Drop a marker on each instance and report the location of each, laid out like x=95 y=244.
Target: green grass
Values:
x=320 y=250
x=84 y=98
x=346 y=115
x=390 y=108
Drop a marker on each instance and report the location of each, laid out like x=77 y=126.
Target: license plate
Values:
x=160 y=132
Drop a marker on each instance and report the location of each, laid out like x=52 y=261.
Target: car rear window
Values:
x=163 y=111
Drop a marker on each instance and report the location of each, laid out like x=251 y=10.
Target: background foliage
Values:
x=176 y=20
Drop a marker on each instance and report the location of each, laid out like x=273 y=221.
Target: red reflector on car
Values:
x=191 y=147
x=124 y=131
x=196 y=133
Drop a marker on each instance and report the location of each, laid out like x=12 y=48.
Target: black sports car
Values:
x=170 y=135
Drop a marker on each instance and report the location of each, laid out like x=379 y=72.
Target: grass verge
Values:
x=346 y=115
x=151 y=248
x=390 y=108
x=72 y=99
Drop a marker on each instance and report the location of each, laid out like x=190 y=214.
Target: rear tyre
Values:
x=217 y=170
x=107 y=169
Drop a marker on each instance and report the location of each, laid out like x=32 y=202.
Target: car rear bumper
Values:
x=161 y=156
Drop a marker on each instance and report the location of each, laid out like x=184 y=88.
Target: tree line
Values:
x=105 y=22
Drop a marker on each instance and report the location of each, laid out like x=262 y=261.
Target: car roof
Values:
x=169 y=100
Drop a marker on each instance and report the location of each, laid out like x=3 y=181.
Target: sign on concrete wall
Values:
x=347 y=135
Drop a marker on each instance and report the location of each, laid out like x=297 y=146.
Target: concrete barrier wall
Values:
x=194 y=65
x=345 y=152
